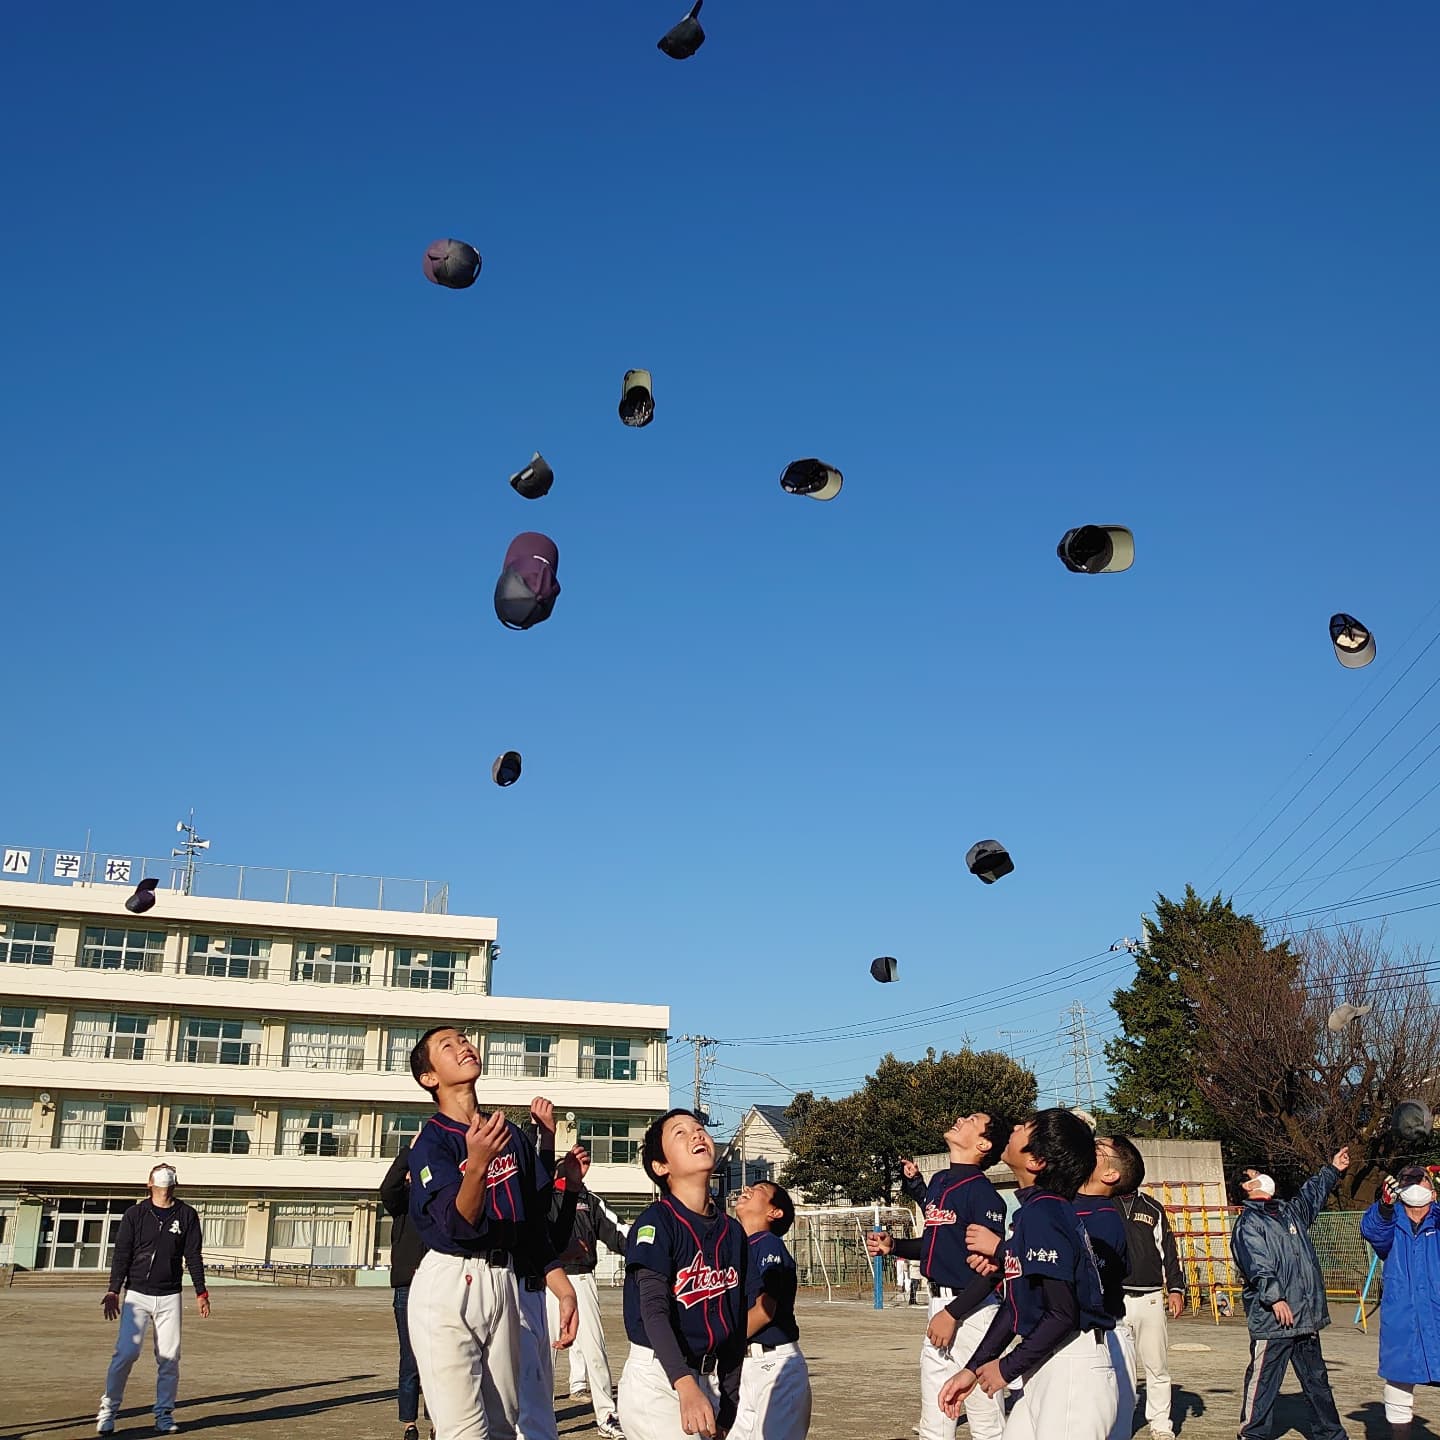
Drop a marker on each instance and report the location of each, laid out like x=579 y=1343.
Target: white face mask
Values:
x=1263 y=1185
x=164 y=1178
x=1417 y=1195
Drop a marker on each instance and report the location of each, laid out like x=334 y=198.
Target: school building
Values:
x=254 y=1028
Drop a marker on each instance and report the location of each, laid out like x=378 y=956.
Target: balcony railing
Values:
x=237 y=1147
x=128 y=1049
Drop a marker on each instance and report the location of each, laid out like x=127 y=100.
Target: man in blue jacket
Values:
x=1284 y=1297
x=1407 y=1242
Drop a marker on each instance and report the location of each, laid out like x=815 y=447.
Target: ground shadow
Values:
x=295 y=1411
x=1372 y=1416
x=136 y=1412
x=1184 y=1405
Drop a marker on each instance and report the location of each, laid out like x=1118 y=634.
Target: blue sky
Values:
x=1011 y=268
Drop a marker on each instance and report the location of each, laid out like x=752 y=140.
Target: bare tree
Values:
x=1289 y=1090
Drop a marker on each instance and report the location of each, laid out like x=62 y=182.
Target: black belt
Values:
x=706 y=1364
x=498 y=1258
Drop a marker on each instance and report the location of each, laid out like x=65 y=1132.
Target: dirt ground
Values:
x=320 y=1364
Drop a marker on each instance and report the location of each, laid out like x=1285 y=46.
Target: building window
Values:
x=331 y=964
x=320 y=1132
x=429 y=969
x=518 y=1055
x=401 y=1128
x=326 y=1047
x=229 y=957
x=211 y=1130
x=209 y=1040
x=100 y=1125
x=116 y=949
x=309 y=1227
x=399 y=1042
x=222 y=1224
x=611 y=1141
x=603 y=1058
x=103 y=1035
x=18 y=1029
x=26 y=942
x=14 y=1121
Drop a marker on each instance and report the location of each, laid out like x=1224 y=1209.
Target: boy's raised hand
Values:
x=572 y=1164
x=485 y=1137
x=542 y=1112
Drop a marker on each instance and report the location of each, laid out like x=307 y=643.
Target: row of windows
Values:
x=207 y=1129
x=216 y=1040
x=234 y=957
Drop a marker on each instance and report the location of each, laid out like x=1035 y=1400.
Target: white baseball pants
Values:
x=536 y=1418
x=1399 y=1403
x=1147 y=1320
x=163 y=1313
x=1122 y=1360
x=1073 y=1394
x=986 y=1416
x=465 y=1332
x=588 y=1362
x=649 y=1407
x=774 y=1395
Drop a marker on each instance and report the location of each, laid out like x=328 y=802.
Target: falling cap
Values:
x=1411 y=1122
x=813 y=478
x=143 y=899
x=1354 y=644
x=506 y=769
x=988 y=860
x=527 y=589
x=637 y=398
x=1097 y=549
x=451 y=263
x=884 y=968
x=681 y=41
x=1342 y=1015
x=535 y=479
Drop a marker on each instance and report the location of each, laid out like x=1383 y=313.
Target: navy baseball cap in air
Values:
x=681 y=41
x=637 y=398
x=1097 y=549
x=534 y=480
x=1411 y=1122
x=813 y=478
x=506 y=769
x=1354 y=644
x=451 y=263
x=884 y=968
x=988 y=860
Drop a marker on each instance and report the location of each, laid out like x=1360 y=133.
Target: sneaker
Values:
x=610 y=1426
x=412 y=1432
x=165 y=1425
x=104 y=1425
x=580 y=1392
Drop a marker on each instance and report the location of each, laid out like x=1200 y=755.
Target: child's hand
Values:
x=981 y=1240
x=909 y=1169
x=879 y=1244
x=953 y=1393
x=542 y=1112
x=485 y=1137
x=941 y=1332
x=697 y=1414
x=558 y=1283
x=572 y=1165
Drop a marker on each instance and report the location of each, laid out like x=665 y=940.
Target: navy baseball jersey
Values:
x=772 y=1272
x=956 y=1197
x=703 y=1259
x=438 y=1161
x=1048 y=1239
x=1105 y=1226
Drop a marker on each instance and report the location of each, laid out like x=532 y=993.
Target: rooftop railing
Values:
x=215 y=881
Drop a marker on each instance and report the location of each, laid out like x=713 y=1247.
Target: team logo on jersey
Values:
x=425 y=1174
x=174 y=1227
x=697 y=1282
x=771 y=1259
x=998 y=1216
x=1012 y=1265
x=501 y=1168
x=645 y=1235
x=934 y=1215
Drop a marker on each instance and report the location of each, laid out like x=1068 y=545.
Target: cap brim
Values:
x=1122 y=547
x=1356 y=659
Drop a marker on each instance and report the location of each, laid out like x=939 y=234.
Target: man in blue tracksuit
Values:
x=1284 y=1297
x=1407 y=1238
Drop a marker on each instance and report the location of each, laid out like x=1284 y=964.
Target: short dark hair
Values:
x=1067 y=1146
x=1129 y=1162
x=780 y=1200
x=652 y=1152
x=997 y=1131
x=420 y=1056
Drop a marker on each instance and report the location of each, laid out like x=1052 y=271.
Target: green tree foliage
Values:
x=1156 y=1090
x=850 y=1149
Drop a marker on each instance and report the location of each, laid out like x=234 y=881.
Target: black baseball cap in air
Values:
x=637 y=398
x=535 y=479
x=884 y=968
x=813 y=478
x=681 y=41
x=143 y=899
x=988 y=860
x=506 y=769
x=1097 y=549
x=1354 y=644
x=1411 y=1123
x=451 y=263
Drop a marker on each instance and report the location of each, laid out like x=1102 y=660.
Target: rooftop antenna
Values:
x=189 y=847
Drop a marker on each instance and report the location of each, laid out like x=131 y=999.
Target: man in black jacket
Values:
x=594 y=1223
x=157 y=1238
x=406 y=1253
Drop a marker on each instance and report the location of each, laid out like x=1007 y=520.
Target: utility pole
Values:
x=1081 y=1055
x=704 y=1045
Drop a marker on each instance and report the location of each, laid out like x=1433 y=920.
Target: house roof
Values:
x=774 y=1117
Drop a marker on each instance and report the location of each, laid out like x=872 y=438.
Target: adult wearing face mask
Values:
x=1284 y=1297
x=156 y=1238
x=1405 y=1238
